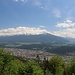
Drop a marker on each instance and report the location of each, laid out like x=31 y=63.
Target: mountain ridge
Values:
x=43 y=38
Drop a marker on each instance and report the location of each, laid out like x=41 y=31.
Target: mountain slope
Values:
x=43 y=38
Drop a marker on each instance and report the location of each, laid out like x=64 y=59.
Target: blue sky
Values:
x=55 y=16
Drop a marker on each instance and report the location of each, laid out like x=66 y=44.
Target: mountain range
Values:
x=43 y=38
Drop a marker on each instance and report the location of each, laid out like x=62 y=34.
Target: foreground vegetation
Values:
x=10 y=65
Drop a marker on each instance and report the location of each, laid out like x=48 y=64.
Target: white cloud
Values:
x=22 y=30
x=69 y=32
x=21 y=0
x=15 y=0
x=68 y=29
x=57 y=13
x=68 y=21
x=41 y=26
x=66 y=24
x=45 y=5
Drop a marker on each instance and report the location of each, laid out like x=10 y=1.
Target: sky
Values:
x=37 y=16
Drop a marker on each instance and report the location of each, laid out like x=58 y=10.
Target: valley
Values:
x=48 y=50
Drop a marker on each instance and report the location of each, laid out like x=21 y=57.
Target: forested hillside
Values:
x=11 y=65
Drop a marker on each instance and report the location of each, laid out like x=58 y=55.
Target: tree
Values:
x=56 y=65
x=45 y=65
x=36 y=68
x=67 y=69
x=30 y=68
x=25 y=70
x=38 y=58
x=72 y=68
x=5 y=58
